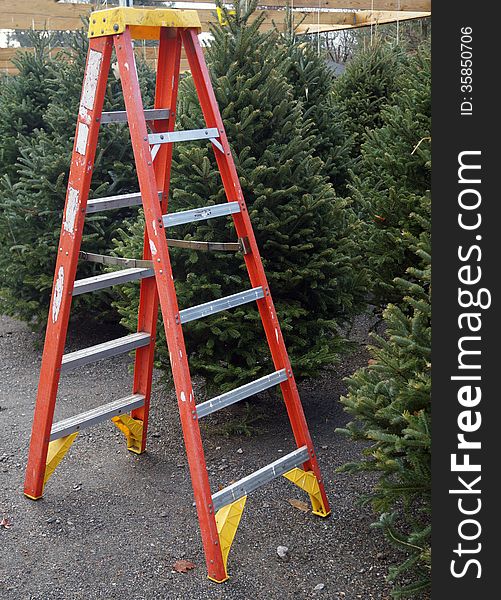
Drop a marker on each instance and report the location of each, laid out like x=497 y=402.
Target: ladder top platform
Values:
x=144 y=23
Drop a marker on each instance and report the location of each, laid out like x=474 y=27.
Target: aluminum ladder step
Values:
x=112 y=202
x=105 y=350
x=99 y=282
x=201 y=214
x=244 y=391
x=215 y=306
x=252 y=482
x=95 y=415
x=120 y=116
x=169 y=137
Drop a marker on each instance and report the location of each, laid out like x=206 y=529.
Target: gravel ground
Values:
x=112 y=524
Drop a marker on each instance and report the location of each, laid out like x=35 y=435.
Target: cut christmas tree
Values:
x=393 y=178
x=390 y=401
x=44 y=100
x=303 y=230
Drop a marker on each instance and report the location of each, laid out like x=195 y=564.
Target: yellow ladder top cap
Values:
x=144 y=23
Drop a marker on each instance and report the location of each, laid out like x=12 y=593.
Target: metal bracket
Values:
x=245 y=245
x=154 y=151
x=127 y=263
x=102 y=259
x=217 y=144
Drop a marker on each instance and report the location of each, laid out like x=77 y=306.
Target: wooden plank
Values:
x=394 y=5
x=42 y=14
x=149 y=54
x=56 y=9
x=342 y=20
x=51 y=15
x=364 y=18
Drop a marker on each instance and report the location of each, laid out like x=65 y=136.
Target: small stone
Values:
x=51 y=520
x=283 y=552
x=218 y=447
x=240 y=451
x=319 y=587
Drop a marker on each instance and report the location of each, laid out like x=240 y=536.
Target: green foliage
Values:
x=365 y=88
x=303 y=230
x=390 y=403
x=393 y=179
x=313 y=84
x=23 y=100
x=44 y=100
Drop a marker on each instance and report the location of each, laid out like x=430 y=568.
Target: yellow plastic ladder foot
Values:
x=218 y=580
x=57 y=451
x=133 y=431
x=227 y=521
x=32 y=497
x=307 y=481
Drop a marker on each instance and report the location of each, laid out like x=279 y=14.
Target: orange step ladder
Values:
x=152 y=134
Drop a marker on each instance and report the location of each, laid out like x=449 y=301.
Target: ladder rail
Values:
x=84 y=149
x=169 y=307
x=169 y=57
x=252 y=259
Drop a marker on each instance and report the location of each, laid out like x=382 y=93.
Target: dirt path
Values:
x=112 y=524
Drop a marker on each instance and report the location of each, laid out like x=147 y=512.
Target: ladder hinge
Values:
x=245 y=245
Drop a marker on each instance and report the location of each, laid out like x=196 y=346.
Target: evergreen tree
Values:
x=23 y=99
x=33 y=189
x=393 y=178
x=390 y=403
x=302 y=229
x=313 y=84
x=365 y=88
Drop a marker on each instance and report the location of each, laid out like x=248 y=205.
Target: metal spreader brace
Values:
x=152 y=135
